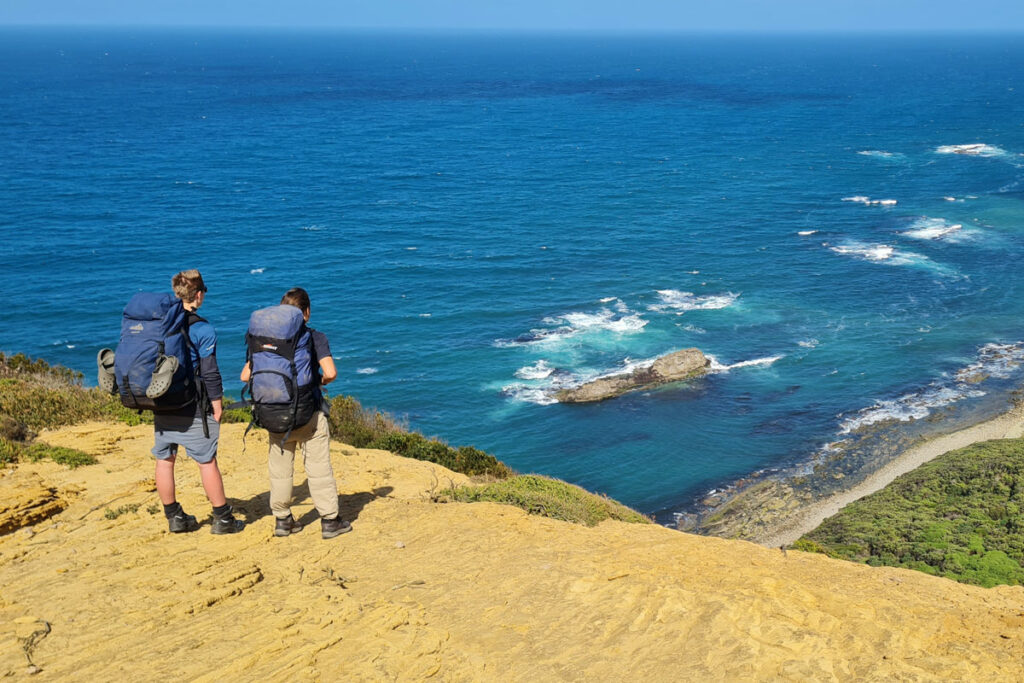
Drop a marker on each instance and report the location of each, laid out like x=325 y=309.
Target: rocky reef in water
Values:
x=673 y=367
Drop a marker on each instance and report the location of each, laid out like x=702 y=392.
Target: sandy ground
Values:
x=1009 y=425
x=447 y=592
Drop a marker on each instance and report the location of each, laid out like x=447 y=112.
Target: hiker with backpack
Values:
x=286 y=364
x=166 y=362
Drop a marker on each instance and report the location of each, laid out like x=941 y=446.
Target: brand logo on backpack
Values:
x=135 y=329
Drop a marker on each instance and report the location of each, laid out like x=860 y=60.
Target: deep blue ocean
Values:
x=837 y=220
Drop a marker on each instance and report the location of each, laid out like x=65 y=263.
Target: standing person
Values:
x=314 y=437
x=192 y=427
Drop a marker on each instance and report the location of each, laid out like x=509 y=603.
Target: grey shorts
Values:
x=172 y=431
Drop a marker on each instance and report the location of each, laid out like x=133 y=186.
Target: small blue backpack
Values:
x=154 y=326
x=284 y=383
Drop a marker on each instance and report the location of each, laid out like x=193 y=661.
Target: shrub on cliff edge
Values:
x=364 y=428
x=547 y=498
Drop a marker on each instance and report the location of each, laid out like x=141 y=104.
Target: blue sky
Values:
x=597 y=15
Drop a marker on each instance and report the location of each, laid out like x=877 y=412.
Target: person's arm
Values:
x=205 y=339
x=246 y=372
x=328 y=373
x=322 y=348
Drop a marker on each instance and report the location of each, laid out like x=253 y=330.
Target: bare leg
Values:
x=213 y=483
x=165 y=480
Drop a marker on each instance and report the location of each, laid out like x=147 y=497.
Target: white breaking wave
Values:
x=804 y=233
x=716 y=366
x=620 y=321
x=539 y=370
x=868 y=252
x=889 y=255
x=880 y=154
x=868 y=201
x=808 y=343
x=926 y=228
x=256 y=271
x=913 y=406
x=542 y=396
x=673 y=299
x=366 y=371
x=994 y=360
x=976 y=149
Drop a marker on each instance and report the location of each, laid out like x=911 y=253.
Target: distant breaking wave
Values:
x=890 y=255
x=880 y=154
x=976 y=149
x=716 y=366
x=680 y=302
x=994 y=360
x=620 y=321
x=868 y=201
x=936 y=229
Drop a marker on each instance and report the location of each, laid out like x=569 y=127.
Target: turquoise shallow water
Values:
x=481 y=219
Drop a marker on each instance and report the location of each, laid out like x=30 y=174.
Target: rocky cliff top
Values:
x=448 y=592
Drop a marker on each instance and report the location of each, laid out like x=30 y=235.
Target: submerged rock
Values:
x=673 y=367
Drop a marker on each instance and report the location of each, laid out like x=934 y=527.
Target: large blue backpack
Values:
x=283 y=383
x=155 y=325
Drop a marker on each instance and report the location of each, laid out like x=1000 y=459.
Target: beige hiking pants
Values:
x=315 y=439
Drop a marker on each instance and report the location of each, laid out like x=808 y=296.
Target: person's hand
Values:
x=218 y=409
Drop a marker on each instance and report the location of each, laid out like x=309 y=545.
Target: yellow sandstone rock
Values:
x=447 y=592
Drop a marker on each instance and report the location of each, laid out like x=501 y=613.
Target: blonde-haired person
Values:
x=185 y=428
x=314 y=437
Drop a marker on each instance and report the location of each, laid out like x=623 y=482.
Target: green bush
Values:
x=362 y=428
x=958 y=516
x=10 y=452
x=20 y=365
x=69 y=457
x=36 y=396
x=467 y=460
x=547 y=498
x=358 y=426
x=123 y=510
x=236 y=415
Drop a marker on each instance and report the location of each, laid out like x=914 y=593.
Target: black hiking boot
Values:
x=226 y=524
x=286 y=525
x=329 y=528
x=180 y=523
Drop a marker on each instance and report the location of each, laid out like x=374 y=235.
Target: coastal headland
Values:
x=94 y=588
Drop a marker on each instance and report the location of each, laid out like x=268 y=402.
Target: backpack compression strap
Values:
x=202 y=399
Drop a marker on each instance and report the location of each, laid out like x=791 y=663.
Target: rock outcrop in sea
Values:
x=673 y=367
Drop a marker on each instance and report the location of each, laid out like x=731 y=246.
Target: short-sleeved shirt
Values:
x=204 y=360
x=321 y=349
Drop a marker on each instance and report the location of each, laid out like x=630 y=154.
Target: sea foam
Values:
x=881 y=154
x=620 y=321
x=868 y=201
x=993 y=360
x=976 y=149
x=716 y=366
x=926 y=228
x=680 y=302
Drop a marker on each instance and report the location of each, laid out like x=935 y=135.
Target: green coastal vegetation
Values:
x=35 y=395
x=958 y=516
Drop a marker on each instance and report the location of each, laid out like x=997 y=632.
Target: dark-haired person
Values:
x=186 y=429
x=314 y=437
